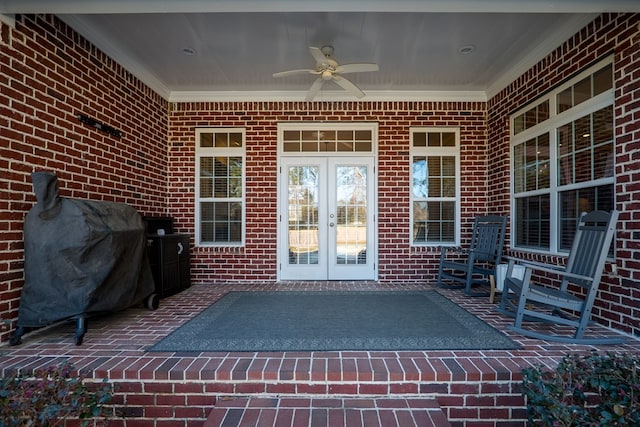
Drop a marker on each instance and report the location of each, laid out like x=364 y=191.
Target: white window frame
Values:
x=219 y=152
x=550 y=126
x=435 y=151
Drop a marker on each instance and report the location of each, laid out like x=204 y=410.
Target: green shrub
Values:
x=51 y=395
x=592 y=390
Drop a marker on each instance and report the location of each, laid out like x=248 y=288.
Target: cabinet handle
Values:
x=180 y=248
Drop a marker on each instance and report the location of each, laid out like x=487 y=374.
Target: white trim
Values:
x=324 y=159
x=125 y=60
x=298 y=96
x=436 y=151
x=214 y=152
x=550 y=127
x=201 y=6
x=538 y=53
x=8 y=19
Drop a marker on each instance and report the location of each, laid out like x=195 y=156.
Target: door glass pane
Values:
x=303 y=184
x=351 y=215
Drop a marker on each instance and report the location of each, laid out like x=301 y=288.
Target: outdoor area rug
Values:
x=329 y=321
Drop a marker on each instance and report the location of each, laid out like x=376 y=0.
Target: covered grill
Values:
x=81 y=257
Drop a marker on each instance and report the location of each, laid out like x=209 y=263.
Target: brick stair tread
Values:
x=320 y=412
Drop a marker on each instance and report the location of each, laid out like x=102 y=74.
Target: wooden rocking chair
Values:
x=564 y=305
x=481 y=259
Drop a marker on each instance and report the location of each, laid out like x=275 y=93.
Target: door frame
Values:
x=282 y=223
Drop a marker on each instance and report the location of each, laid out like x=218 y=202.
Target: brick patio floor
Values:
x=434 y=388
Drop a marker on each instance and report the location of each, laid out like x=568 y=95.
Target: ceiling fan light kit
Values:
x=328 y=69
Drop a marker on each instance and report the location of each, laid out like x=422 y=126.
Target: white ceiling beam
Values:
x=204 y=6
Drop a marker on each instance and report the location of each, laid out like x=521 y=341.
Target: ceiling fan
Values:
x=328 y=69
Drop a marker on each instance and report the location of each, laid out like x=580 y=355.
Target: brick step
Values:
x=325 y=412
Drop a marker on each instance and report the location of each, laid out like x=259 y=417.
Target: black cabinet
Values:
x=169 y=259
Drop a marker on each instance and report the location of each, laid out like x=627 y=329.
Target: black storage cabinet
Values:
x=168 y=256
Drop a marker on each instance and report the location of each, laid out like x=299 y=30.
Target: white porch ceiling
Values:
x=239 y=44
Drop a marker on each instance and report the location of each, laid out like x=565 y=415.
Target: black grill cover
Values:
x=81 y=257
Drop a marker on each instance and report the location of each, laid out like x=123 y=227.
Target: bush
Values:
x=592 y=390
x=49 y=396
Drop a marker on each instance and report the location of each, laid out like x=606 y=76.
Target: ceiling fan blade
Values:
x=348 y=86
x=356 y=68
x=315 y=88
x=292 y=72
x=318 y=55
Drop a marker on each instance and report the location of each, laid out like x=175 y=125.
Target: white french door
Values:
x=327 y=218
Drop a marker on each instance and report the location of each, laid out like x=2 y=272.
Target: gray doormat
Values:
x=330 y=321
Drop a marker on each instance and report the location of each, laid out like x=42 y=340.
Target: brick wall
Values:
x=257 y=260
x=49 y=75
x=618 y=305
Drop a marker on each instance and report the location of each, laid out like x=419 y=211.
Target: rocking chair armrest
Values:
x=549 y=268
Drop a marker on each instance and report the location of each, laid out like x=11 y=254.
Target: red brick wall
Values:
x=49 y=75
x=618 y=305
x=257 y=260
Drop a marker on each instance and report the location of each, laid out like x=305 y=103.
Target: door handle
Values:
x=180 y=248
x=330 y=224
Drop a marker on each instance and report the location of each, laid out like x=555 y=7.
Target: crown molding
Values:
x=329 y=96
x=538 y=53
x=8 y=19
x=208 y=6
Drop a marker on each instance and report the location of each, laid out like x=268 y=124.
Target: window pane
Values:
x=603 y=125
x=435 y=168
x=448 y=187
x=291 y=147
x=448 y=139
x=206 y=166
x=310 y=146
x=449 y=166
x=440 y=223
x=532 y=222
x=291 y=135
x=309 y=135
x=518 y=166
x=206 y=140
x=345 y=135
x=582 y=132
x=345 y=145
x=603 y=161
x=582 y=91
x=363 y=146
x=222 y=140
x=518 y=124
x=583 y=166
x=419 y=222
x=419 y=177
x=363 y=135
x=564 y=100
x=530 y=118
x=419 y=139
x=603 y=80
x=435 y=187
x=543 y=111
x=573 y=203
x=235 y=140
